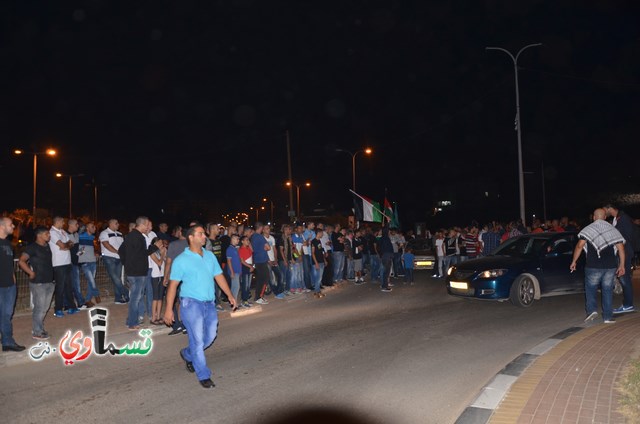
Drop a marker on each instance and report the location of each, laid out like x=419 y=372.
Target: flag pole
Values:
x=381 y=213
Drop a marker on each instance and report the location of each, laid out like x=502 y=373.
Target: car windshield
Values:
x=522 y=247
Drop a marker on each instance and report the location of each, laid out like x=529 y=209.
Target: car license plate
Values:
x=458 y=285
x=424 y=263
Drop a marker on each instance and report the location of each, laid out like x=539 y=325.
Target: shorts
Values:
x=158 y=288
x=357 y=265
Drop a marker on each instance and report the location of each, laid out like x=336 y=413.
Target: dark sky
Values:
x=183 y=106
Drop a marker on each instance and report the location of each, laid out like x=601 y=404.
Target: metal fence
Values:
x=23 y=297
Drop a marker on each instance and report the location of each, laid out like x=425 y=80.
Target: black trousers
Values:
x=327 y=275
x=262 y=278
x=63 y=290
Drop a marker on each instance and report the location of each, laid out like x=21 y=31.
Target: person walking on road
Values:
x=604 y=249
x=624 y=224
x=197 y=269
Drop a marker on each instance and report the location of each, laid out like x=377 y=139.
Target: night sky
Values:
x=179 y=108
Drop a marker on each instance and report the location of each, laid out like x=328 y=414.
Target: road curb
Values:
x=482 y=408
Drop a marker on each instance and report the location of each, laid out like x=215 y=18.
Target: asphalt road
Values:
x=415 y=355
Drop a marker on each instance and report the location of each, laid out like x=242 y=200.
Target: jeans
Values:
x=626 y=283
x=89 y=271
x=448 y=261
x=316 y=273
x=7 y=305
x=146 y=300
x=351 y=274
x=114 y=270
x=75 y=284
x=201 y=321
x=408 y=275
x=440 y=266
x=62 y=276
x=275 y=279
x=366 y=261
x=338 y=265
x=387 y=259
x=307 y=264
x=285 y=271
x=297 y=280
x=41 y=296
x=245 y=284
x=235 y=285
x=398 y=269
x=375 y=267
x=603 y=278
x=136 y=287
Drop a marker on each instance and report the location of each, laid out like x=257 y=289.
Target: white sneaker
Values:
x=262 y=301
x=591 y=317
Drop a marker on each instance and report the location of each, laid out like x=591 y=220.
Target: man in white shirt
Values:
x=60 y=245
x=110 y=241
x=275 y=278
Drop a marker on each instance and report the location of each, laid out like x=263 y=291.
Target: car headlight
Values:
x=492 y=273
x=450 y=270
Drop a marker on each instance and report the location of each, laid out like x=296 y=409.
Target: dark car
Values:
x=424 y=257
x=522 y=269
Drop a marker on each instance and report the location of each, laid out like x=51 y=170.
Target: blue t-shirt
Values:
x=309 y=235
x=196 y=273
x=408 y=260
x=232 y=253
x=260 y=256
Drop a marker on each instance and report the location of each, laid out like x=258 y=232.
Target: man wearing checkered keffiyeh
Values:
x=604 y=249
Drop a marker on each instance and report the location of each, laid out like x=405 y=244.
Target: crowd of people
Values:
x=299 y=258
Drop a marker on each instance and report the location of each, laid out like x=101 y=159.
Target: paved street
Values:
x=415 y=355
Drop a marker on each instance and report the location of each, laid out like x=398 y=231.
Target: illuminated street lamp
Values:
x=368 y=151
x=60 y=175
x=257 y=209
x=264 y=199
x=288 y=184
x=48 y=152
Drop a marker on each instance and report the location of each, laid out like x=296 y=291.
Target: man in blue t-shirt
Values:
x=197 y=269
x=260 y=246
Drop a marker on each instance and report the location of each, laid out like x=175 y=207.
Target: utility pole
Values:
x=290 y=212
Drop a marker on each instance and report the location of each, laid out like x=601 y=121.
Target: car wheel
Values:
x=523 y=291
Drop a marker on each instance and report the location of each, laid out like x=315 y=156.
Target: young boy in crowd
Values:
x=407 y=264
x=234 y=265
x=246 y=259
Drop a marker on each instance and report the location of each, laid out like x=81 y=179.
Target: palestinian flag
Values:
x=388 y=210
x=366 y=210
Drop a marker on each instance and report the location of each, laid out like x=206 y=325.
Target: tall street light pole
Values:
x=60 y=175
x=49 y=152
x=518 y=123
x=353 y=155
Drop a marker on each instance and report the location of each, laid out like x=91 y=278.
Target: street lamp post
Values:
x=518 y=123
x=289 y=184
x=60 y=175
x=257 y=209
x=264 y=199
x=353 y=155
x=49 y=152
